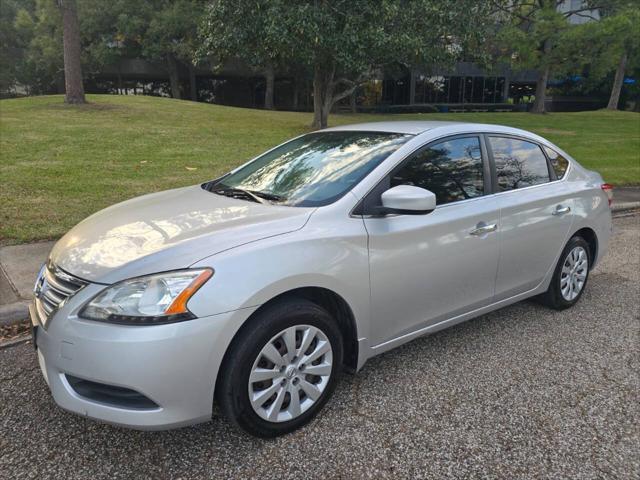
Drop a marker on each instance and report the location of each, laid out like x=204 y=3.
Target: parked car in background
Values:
x=256 y=289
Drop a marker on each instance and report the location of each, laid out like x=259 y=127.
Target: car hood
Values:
x=167 y=231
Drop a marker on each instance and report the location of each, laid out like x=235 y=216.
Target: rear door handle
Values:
x=560 y=210
x=483 y=228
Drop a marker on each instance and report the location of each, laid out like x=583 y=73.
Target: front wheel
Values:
x=281 y=369
x=570 y=277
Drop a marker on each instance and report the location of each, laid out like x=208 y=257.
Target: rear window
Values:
x=518 y=163
x=558 y=162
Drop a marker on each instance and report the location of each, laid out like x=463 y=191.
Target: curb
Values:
x=14 y=312
x=620 y=207
x=15 y=341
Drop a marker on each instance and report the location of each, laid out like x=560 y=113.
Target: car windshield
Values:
x=312 y=170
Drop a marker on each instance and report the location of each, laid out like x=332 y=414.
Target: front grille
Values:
x=53 y=287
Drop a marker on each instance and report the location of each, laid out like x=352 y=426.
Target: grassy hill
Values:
x=58 y=164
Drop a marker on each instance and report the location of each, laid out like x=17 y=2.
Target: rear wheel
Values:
x=570 y=277
x=281 y=369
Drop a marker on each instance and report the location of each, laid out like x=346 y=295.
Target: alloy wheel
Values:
x=574 y=273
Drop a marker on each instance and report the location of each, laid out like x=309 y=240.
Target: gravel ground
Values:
x=521 y=393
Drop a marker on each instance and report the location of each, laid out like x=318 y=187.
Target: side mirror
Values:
x=407 y=200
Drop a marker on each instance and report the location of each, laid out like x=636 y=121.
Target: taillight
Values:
x=608 y=189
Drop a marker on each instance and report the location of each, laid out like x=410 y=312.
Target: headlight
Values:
x=150 y=300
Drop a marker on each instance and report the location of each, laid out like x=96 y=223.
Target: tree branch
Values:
x=579 y=11
x=344 y=94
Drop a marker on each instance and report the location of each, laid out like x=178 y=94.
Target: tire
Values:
x=562 y=291
x=280 y=413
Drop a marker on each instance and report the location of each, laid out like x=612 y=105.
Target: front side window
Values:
x=315 y=169
x=452 y=170
x=558 y=162
x=518 y=163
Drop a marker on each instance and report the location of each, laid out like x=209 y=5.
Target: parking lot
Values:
x=524 y=392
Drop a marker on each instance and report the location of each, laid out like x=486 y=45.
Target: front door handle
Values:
x=560 y=210
x=483 y=228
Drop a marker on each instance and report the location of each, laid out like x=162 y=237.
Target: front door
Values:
x=428 y=268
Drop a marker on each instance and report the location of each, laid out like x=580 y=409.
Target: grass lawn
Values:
x=58 y=164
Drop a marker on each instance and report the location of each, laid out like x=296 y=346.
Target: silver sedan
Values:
x=256 y=289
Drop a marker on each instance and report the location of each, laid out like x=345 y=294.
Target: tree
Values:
x=608 y=48
x=347 y=42
x=171 y=36
x=74 y=89
x=11 y=53
x=251 y=31
x=618 y=44
x=35 y=62
x=341 y=43
x=534 y=33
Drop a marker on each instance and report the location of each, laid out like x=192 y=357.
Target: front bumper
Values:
x=175 y=365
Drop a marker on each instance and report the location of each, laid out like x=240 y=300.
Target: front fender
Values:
x=334 y=258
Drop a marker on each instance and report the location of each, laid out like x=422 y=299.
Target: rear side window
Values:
x=518 y=163
x=558 y=162
x=451 y=169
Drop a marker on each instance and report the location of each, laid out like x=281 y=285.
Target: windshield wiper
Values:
x=267 y=195
x=234 y=192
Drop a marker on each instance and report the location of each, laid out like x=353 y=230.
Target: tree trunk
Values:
x=296 y=94
x=174 y=79
x=322 y=95
x=614 y=99
x=412 y=86
x=543 y=78
x=505 y=90
x=352 y=102
x=541 y=88
x=270 y=78
x=193 y=87
x=74 y=90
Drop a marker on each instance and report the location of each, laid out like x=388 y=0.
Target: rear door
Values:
x=427 y=268
x=536 y=213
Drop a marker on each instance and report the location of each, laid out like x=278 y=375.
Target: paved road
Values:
x=520 y=393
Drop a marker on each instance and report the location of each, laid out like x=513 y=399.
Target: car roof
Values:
x=413 y=127
x=416 y=127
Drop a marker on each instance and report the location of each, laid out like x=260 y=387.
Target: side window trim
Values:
x=363 y=207
x=552 y=173
x=487 y=172
x=493 y=173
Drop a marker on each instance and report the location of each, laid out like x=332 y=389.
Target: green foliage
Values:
x=34 y=45
x=535 y=35
x=250 y=30
x=436 y=34
x=598 y=46
x=31 y=37
x=342 y=42
x=172 y=29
